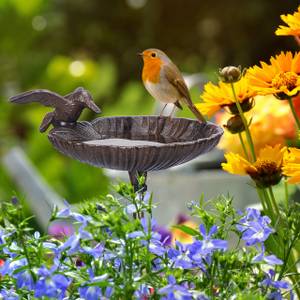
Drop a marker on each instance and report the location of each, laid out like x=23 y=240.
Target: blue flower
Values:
x=143 y=292
x=269 y=259
x=150 y=238
x=270 y=282
x=50 y=284
x=96 y=252
x=24 y=280
x=174 y=291
x=12 y=265
x=94 y=292
x=141 y=200
x=254 y=227
x=202 y=249
x=9 y=295
x=179 y=257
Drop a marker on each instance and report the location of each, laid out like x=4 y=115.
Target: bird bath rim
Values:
x=219 y=132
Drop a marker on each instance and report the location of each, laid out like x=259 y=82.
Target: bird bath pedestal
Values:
x=136 y=144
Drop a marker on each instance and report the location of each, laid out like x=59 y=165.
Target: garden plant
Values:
x=112 y=247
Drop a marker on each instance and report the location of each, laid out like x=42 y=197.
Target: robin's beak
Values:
x=140 y=54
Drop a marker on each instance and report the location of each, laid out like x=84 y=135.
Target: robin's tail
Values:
x=195 y=111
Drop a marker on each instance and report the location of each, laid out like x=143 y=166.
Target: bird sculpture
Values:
x=67 y=108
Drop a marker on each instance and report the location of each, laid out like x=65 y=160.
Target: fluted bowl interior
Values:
x=137 y=143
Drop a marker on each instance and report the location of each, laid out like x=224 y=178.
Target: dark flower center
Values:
x=265 y=173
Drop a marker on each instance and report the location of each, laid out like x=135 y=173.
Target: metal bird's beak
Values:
x=91 y=105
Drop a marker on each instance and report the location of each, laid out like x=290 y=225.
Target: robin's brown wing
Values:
x=86 y=98
x=177 y=103
x=174 y=76
x=45 y=97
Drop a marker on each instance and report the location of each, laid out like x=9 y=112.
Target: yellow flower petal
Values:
x=293 y=22
x=279 y=77
x=236 y=164
x=215 y=97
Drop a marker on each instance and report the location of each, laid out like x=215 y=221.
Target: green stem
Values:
x=294 y=112
x=262 y=200
x=286 y=192
x=243 y=145
x=274 y=201
x=248 y=135
x=269 y=205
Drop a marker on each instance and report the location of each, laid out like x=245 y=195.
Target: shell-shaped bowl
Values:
x=136 y=143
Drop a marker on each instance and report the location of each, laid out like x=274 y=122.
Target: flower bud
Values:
x=230 y=74
x=246 y=105
x=235 y=124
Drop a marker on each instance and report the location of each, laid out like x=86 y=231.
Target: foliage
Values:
x=116 y=252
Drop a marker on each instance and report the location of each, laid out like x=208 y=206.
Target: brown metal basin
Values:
x=137 y=143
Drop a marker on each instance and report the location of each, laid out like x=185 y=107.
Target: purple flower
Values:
x=274 y=296
x=174 y=291
x=165 y=235
x=60 y=229
x=9 y=295
x=202 y=249
x=182 y=218
x=12 y=265
x=141 y=200
x=50 y=284
x=254 y=227
x=179 y=256
x=89 y=292
x=150 y=238
x=143 y=292
x=270 y=282
x=94 y=292
x=269 y=259
x=96 y=252
x=24 y=280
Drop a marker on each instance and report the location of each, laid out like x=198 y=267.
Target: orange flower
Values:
x=292 y=165
x=265 y=171
x=216 y=97
x=279 y=78
x=293 y=22
x=272 y=123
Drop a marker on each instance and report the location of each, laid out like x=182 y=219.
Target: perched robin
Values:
x=164 y=81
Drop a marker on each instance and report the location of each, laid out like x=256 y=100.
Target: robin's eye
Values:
x=153 y=54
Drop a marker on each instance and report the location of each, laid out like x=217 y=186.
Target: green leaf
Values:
x=187 y=229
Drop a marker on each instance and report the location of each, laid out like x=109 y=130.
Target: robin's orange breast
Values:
x=151 y=70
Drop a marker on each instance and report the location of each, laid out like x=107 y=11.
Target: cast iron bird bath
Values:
x=136 y=144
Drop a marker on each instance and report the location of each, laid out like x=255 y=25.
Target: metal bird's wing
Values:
x=45 y=97
x=81 y=94
x=174 y=76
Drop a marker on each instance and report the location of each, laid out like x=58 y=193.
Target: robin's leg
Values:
x=171 y=114
x=161 y=113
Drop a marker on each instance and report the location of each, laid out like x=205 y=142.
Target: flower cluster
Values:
x=111 y=255
x=272 y=123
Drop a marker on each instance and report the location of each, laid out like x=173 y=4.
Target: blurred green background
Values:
x=62 y=44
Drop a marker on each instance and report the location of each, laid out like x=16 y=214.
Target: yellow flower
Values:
x=291 y=166
x=271 y=123
x=279 y=78
x=216 y=97
x=266 y=171
x=293 y=22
